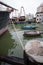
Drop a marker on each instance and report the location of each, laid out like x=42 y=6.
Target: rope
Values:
x=17 y=35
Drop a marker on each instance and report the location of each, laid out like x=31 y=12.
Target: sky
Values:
x=30 y=6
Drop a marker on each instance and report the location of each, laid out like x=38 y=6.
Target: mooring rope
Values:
x=17 y=35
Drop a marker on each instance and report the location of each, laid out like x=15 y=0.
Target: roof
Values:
x=7 y=5
x=41 y=5
x=39 y=12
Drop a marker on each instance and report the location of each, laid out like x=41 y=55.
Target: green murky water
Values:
x=16 y=49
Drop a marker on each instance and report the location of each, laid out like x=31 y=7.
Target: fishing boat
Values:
x=4 y=17
x=33 y=53
x=22 y=18
x=32 y=33
x=29 y=27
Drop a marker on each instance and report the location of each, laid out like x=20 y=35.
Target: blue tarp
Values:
x=28 y=27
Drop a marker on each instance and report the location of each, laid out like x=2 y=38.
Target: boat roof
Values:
x=7 y=5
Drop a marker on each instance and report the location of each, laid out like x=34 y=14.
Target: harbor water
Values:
x=15 y=41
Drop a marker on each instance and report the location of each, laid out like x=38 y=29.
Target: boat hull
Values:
x=29 y=27
x=32 y=34
x=4 y=19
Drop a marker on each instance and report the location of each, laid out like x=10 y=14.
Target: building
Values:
x=39 y=14
x=30 y=17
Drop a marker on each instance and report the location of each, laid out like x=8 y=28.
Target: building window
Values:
x=40 y=15
x=37 y=19
x=40 y=19
x=37 y=15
